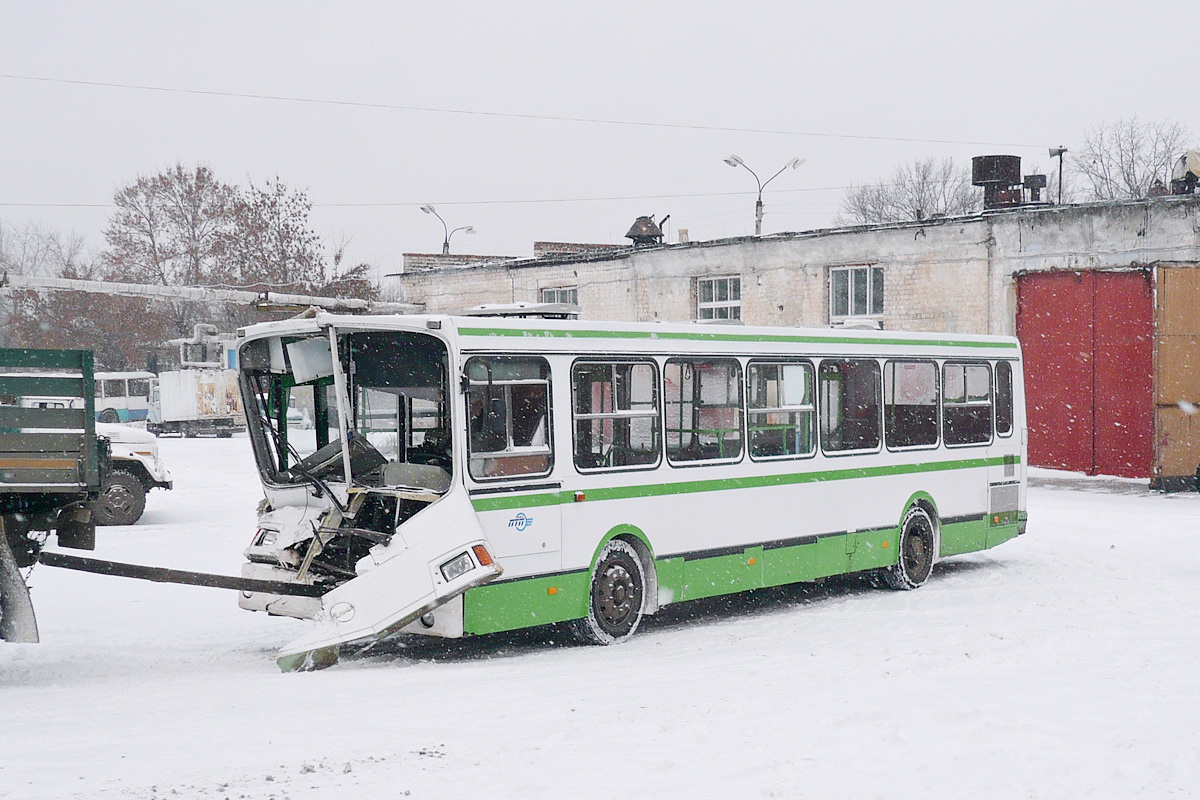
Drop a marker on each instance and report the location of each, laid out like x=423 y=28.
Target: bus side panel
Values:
x=874 y=549
x=724 y=574
x=509 y=605
x=965 y=536
x=670 y=580
x=998 y=534
x=782 y=565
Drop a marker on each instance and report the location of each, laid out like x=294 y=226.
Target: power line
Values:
x=530 y=201
x=500 y=114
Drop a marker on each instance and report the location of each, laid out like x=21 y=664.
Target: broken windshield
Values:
x=398 y=422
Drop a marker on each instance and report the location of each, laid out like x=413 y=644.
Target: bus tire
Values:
x=914 y=561
x=616 y=596
x=109 y=415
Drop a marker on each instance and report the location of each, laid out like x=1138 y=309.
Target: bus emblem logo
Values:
x=521 y=522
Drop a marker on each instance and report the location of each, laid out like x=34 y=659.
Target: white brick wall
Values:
x=954 y=275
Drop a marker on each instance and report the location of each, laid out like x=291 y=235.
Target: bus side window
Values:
x=703 y=409
x=910 y=403
x=966 y=403
x=508 y=416
x=616 y=415
x=850 y=392
x=780 y=406
x=1004 y=399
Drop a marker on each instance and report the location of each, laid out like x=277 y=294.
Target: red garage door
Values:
x=1088 y=344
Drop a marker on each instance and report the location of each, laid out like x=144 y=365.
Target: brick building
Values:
x=957 y=275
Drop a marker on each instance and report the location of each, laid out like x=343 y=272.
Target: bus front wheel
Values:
x=916 y=546
x=616 y=596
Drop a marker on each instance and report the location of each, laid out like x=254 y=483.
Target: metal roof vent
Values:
x=646 y=231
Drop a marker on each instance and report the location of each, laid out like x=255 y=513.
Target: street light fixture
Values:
x=736 y=161
x=1057 y=152
x=429 y=209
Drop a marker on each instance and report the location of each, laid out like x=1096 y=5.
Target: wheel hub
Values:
x=615 y=595
x=118 y=499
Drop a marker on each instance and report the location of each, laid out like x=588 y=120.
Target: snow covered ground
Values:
x=1062 y=664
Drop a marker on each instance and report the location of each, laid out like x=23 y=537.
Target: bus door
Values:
x=510 y=460
x=1004 y=479
x=968 y=420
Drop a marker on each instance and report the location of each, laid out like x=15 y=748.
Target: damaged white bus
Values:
x=506 y=473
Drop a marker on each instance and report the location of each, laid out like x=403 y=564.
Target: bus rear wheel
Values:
x=915 y=561
x=616 y=596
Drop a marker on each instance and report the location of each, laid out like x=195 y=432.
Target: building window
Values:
x=561 y=294
x=719 y=298
x=855 y=292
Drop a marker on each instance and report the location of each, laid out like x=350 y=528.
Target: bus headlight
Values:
x=458 y=566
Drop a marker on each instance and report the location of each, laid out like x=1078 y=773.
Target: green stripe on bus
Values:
x=723 y=484
x=527 y=602
x=725 y=337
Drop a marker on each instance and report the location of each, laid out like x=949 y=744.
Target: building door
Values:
x=1177 y=378
x=1088 y=342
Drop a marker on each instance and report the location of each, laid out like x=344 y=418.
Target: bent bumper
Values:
x=389 y=597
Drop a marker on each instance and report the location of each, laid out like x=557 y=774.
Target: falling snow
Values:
x=1061 y=664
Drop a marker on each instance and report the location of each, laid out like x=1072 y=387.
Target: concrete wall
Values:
x=951 y=275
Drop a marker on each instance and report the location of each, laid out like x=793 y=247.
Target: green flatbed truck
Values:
x=51 y=468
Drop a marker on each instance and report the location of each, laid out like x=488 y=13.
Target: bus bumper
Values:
x=394 y=594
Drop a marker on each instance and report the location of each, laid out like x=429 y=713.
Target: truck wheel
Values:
x=122 y=500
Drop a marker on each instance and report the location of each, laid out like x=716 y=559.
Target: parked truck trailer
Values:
x=197 y=402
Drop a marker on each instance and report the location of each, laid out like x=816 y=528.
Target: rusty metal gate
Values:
x=1088 y=342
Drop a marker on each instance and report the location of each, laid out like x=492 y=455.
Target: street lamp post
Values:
x=429 y=209
x=736 y=161
x=1058 y=152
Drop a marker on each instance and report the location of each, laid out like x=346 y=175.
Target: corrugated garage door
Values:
x=1088 y=344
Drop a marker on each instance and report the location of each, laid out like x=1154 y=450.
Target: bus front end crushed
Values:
x=387 y=599
x=351 y=428
x=376 y=581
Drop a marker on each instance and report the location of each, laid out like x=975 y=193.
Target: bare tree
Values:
x=199 y=214
x=1120 y=160
x=273 y=245
x=36 y=250
x=171 y=228
x=123 y=332
x=918 y=190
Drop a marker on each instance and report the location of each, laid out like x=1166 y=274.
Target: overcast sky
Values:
x=481 y=108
